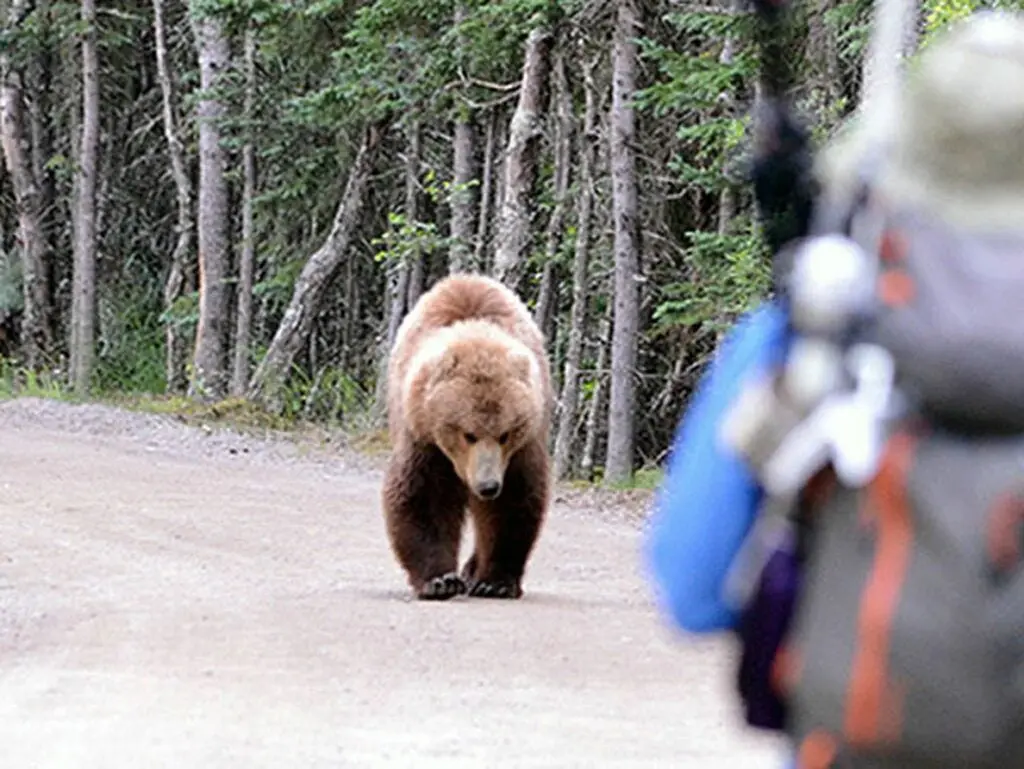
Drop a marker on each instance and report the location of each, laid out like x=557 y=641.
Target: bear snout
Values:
x=486 y=468
x=488 y=489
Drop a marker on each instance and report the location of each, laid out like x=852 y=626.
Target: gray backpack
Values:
x=907 y=647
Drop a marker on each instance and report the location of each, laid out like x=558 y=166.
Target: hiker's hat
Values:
x=955 y=145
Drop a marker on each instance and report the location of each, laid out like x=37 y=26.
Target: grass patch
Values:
x=644 y=479
x=373 y=442
x=17 y=382
x=237 y=413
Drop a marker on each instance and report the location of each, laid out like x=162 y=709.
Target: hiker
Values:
x=904 y=564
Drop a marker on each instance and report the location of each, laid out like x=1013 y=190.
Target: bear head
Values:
x=476 y=393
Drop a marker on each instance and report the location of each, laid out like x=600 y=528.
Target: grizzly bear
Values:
x=469 y=413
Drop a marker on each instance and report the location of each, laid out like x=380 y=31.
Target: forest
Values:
x=240 y=199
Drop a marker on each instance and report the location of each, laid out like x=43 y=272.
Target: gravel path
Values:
x=178 y=597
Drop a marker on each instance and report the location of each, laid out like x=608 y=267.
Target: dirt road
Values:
x=175 y=598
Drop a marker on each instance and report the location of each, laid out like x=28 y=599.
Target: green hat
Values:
x=953 y=137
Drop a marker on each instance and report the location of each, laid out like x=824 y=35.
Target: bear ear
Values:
x=522 y=364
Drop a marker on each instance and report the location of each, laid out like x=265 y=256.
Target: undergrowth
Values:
x=237 y=413
x=17 y=381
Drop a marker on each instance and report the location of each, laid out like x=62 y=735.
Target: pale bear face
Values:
x=482 y=403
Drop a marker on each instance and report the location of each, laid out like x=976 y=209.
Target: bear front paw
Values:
x=442 y=588
x=496 y=589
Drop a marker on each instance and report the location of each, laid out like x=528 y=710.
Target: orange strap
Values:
x=817 y=751
x=874 y=702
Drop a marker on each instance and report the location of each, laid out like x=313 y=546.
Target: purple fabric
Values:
x=762 y=628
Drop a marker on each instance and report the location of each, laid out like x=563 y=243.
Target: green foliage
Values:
x=406 y=239
x=131 y=350
x=730 y=274
x=18 y=381
x=939 y=14
x=331 y=396
x=183 y=314
x=850 y=22
x=11 y=298
x=725 y=273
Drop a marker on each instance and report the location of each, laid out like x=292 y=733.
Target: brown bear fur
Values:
x=469 y=413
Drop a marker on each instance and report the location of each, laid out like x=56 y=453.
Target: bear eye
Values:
x=470 y=438
x=503 y=439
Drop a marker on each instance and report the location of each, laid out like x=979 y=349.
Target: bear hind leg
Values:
x=424 y=506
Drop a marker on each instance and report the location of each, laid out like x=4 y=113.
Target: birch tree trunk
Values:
x=83 y=302
x=501 y=129
x=416 y=282
x=622 y=396
x=41 y=77
x=413 y=286
x=410 y=293
x=291 y=336
x=400 y=289
x=562 y=107
x=209 y=375
x=247 y=262
x=36 y=329
x=462 y=194
x=568 y=402
x=727 y=198
x=588 y=460
x=462 y=198
x=524 y=138
x=893 y=38
x=178 y=275
x=485 y=194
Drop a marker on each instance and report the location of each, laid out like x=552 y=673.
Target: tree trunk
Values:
x=461 y=196
x=209 y=375
x=414 y=285
x=596 y=403
x=562 y=107
x=485 y=193
x=501 y=128
x=893 y=38
x=41 y=85
x=409 y=293
x=727 y=198
x=175 y=285
x=247 y=263
x=83 y=303
x=417 y=281
x=622 y=399
x=291 y=335
x=568 y=401
x=348 y=329
x=400 y=278
x=36 y=330
x=524 y=139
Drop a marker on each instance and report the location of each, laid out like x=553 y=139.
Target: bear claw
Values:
x=442 y=588
x=496 y=589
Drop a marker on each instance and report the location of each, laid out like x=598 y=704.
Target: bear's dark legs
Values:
x=425 y=507
x=507 y=527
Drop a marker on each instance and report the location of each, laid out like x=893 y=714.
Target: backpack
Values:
x=906 y=645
